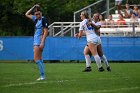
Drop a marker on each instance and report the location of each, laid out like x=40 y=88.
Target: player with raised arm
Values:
x=93 y=40
x=40 y=34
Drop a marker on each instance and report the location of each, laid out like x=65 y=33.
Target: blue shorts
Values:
x=37 y=40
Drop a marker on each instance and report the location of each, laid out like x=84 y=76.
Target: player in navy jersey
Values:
x=40 y=34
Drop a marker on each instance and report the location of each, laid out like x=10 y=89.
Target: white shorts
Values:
x=96 y=40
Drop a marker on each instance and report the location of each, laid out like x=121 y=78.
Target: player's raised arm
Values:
x=28 y=13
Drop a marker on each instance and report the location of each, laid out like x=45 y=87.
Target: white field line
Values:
x=112 y=78
x=36 y=82
x=112 y=90
x=43 y=82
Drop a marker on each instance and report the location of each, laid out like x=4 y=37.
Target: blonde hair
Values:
x=85 y=13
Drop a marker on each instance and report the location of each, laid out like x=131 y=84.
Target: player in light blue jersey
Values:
x=40 y=34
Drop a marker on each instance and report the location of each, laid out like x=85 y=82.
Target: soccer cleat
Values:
x=101 y=69
x=40 y=78
x=87 y=69
x=108 y=68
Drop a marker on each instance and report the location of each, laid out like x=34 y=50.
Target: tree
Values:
x=14 y=23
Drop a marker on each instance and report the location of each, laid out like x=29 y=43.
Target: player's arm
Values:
x=28 y=13
x=81 y=28
x=83 y=34
x=80 y=34
x=97 y=27
x=45 y=30
x=97 y=30
x=44 y=35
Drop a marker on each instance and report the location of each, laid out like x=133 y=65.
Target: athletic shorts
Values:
x=96 y=41
x=37 y=40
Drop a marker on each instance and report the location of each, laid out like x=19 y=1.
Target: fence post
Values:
x=62 y=32
x=107 y=4
x=71 y=33
x=89 y=12
x=53 y=31
x=50 y=31
x=133 y=27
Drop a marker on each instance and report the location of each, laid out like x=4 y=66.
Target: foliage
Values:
x=14 y=23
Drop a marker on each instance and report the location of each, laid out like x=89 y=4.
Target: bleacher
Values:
x=121 y=30
x=70 y=28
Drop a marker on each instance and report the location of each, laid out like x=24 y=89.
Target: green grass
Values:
x=68 y=78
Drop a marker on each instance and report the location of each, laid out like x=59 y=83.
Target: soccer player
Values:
x=99 y=47
x=40 y=34
x=93 y=40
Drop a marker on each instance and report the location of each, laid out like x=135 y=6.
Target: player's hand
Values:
x=76 y=35
x=89 y=23
x=79 y=36
x=41 y=46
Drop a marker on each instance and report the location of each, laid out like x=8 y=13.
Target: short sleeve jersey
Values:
x=89 y=30
x=39 y=24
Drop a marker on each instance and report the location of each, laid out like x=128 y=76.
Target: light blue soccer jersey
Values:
x=38 y=30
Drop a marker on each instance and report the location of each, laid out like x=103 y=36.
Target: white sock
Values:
x=98 y=61
x=104 y=59
x=88 y=60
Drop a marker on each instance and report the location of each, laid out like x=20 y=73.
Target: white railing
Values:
x=70 y=28
x=62 y=28
x=67 y=29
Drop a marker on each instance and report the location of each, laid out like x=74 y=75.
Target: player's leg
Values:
x=93 y=49
x=38 y=60
x=88 y=59
x=103 y=57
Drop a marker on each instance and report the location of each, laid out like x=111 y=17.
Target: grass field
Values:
x=69 y=78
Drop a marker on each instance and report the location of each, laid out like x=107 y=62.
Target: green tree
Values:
x=14 y=23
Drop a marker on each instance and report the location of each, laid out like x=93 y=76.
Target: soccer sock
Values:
x=88 y=60
x=40 y=67
x=98 y=61
x=104 y=59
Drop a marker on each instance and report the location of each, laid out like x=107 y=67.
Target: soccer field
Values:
x=69 y=78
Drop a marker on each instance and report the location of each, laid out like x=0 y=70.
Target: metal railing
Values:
x=130 y=29
x=70 y=28
x=67 y=29
x=62 y=28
